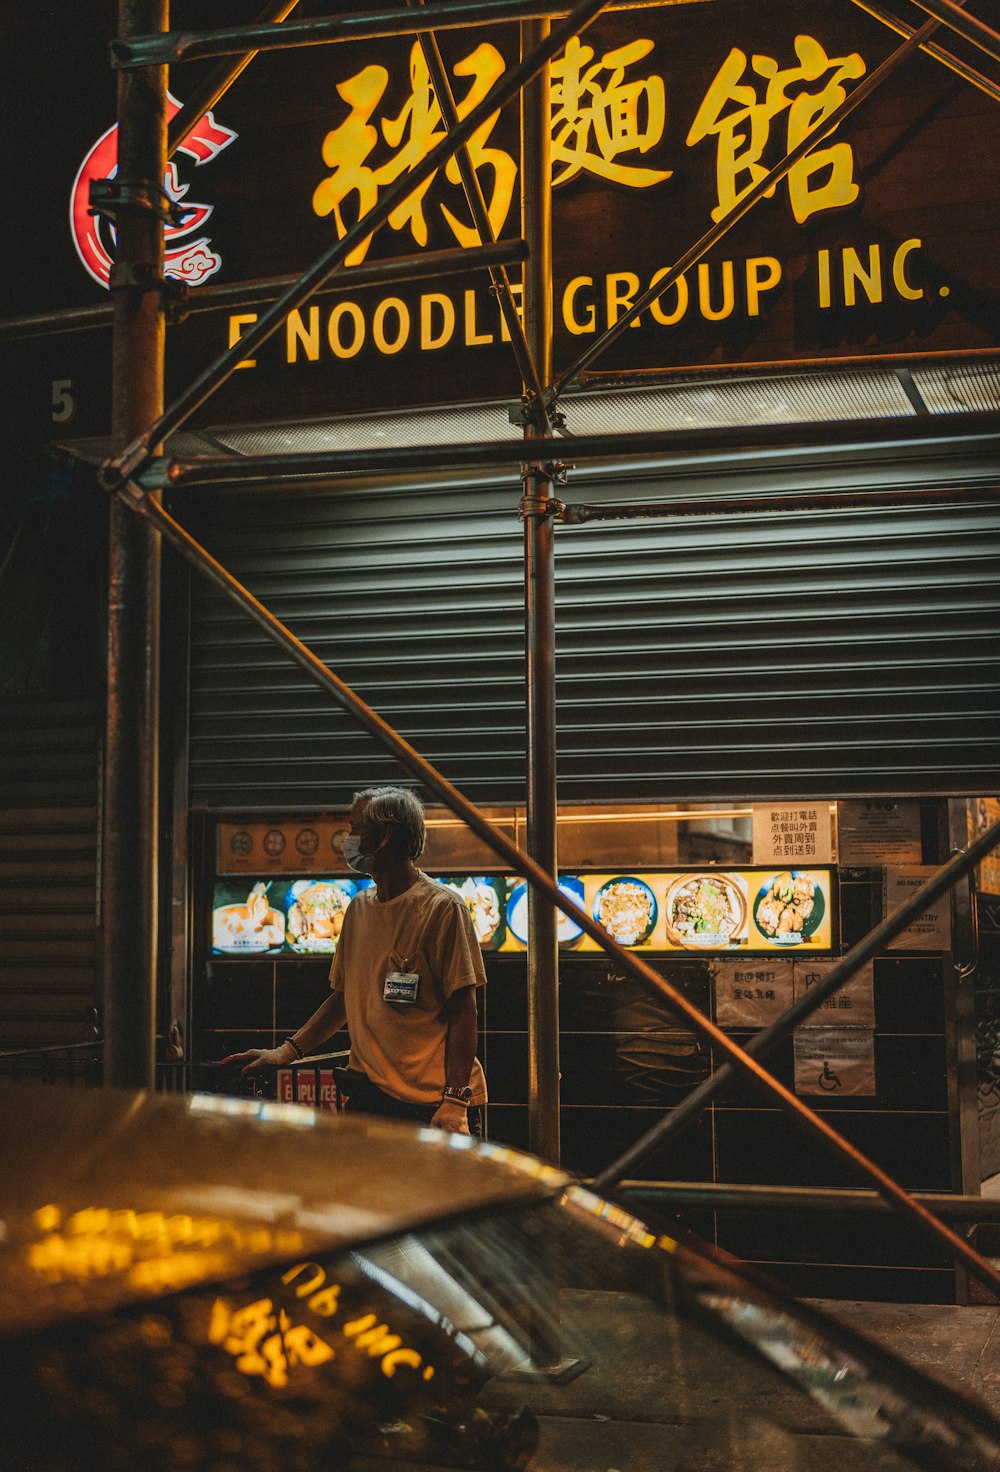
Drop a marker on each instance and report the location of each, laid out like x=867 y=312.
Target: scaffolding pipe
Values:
x=136 y=455
x=793 y=368
x=713 y=1196
x=764 y=1042
x=235 y=294
x=129 y=884
x=746 y=202
x=150 y=508
x=953 y=63
x=219 y=81
x=539 y=610
x=976 y=31
x=325 y=30
x=780 y=504
x=317 y=468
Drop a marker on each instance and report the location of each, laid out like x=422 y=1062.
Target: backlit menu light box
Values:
x=707 y=911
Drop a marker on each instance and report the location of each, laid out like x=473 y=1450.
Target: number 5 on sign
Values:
x=63 y=402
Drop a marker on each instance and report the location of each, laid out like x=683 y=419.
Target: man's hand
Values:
x=452 y=1115
x=255 y=1058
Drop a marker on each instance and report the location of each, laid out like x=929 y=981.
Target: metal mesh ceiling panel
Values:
x=786 y=400
x=958 y=387
x=709 y=403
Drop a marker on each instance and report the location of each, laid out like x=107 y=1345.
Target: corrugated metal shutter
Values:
x=48 y=871
x=814 y=654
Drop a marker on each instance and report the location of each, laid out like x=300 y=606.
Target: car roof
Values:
x=110 y=1197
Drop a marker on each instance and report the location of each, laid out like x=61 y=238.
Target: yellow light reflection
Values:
x=622 y=1222
x=265 y=1109
x=150 y=1249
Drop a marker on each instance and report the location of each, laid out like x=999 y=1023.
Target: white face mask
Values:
x=360 y=862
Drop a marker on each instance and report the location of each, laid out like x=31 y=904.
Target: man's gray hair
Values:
x=402 y=811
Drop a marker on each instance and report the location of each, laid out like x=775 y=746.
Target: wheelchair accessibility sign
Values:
x=835 y=1061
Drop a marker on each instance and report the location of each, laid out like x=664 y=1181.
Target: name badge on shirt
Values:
x=401 y=986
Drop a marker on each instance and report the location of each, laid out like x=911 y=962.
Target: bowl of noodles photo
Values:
x=248 y=929
x=316 y=910
x=705 y=910
x=627 y=909
x=789 y=908
x=484 y=905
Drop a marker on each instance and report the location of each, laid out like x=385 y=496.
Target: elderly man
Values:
x=404 y=979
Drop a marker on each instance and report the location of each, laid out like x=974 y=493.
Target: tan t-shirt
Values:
x=401 y=1045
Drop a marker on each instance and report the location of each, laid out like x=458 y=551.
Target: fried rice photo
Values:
x=625 y=910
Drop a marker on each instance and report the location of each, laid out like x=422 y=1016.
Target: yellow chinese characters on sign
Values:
x=597 y=117
x=596 y=120
x=740 y=111
x=604 y=113
x=411 y=135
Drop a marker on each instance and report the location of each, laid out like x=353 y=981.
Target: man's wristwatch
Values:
x=457 y=1096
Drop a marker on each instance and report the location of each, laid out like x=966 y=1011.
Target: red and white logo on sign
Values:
x=187 y=260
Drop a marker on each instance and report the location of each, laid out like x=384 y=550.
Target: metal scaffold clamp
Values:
x=531 y=504
x=115 y=475
x=526 y=413
x=111 y=198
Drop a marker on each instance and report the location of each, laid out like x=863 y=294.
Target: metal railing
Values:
x=81 y=1065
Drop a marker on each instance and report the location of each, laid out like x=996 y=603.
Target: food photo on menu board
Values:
x=285 y=916
x=627 y=909
x=568 y=932
x=248 y=926
x=485 y=899
x=706 y=911
x=713 y=909
x=790 y=908
x=315 y=911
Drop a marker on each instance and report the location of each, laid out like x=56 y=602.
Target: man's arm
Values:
x=460 y=1054
x=326 y=1020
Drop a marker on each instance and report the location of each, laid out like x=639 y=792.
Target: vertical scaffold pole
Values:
x=130 y=836
x=539 y=556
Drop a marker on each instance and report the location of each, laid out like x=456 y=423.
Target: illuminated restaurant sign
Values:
x=615 y=138
x=708 y=911
x=663 y=117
